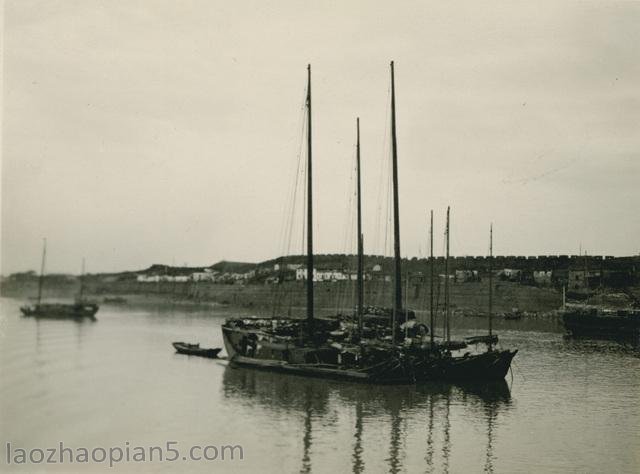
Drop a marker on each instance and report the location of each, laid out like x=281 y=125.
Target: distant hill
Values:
x=159 y=269
x=630 y=264
x=225 y=266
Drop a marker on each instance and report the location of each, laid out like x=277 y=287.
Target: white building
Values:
x=510 y=274
x=542 y=277
x=322 y=275
x=206 y=275
x=288 y=266
x=148 y=278
x=466 y=275
x=248 y=275
x=157 y=278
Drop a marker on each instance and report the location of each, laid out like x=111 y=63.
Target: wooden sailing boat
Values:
x=311 y=346
x=77 y=310
x=326 y=348
x=487 y=365
x=441 y=361
x=444 y=360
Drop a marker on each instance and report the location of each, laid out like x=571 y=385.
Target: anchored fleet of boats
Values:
x=389 y=346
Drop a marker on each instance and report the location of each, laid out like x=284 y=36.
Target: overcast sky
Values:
x=140 y=132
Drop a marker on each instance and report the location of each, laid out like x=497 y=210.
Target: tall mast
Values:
x=360 y=237
x=309 y=208
x=406 y=302
x=446 y=284
x=397 y=307
x=431 y=327
x=82 y=281
x=490 y=284
x=41 y=279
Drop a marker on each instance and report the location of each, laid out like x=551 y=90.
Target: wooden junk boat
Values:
x=453 y=360
x=79 y=309
x=598 y=322
x=312 y=346
x=389 y=346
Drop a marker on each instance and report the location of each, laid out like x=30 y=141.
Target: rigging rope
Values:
x=349 y=230
x=291 y=207
x=384 y=160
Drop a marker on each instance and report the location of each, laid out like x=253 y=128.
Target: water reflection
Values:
x=46 y=326
x=394 y=407
x=446 y=445
x=490 y=397
x=430 y=447
x=306 y=440
x=358 y=462
x=403 y=407
x=610 y=346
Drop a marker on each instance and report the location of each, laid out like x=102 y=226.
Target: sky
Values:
x=141 y=132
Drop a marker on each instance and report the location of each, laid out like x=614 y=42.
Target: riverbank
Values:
x=471 y=296
x=468 y=298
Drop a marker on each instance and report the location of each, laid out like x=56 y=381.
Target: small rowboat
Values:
x=196 y=350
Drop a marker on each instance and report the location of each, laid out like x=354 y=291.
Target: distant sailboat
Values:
x=76 y=310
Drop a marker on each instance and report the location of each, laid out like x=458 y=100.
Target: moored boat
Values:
x=196 y=350
x=599 y=322
x=80 y=308
x=61 y=310
x=313 y=346
x=453 y=360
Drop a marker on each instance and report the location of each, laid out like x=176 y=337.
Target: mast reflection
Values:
x=429 y=456
x=446 y=444
x=408 y=409
x=491 y=397
x=307 y=438
x=395 y=464
x=358 y=462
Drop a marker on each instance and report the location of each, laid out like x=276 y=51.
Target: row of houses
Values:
x=207 y=275
x=277 y=273
x=340 y=275
x=572 y=279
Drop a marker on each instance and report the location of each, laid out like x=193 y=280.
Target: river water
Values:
x=570 y=406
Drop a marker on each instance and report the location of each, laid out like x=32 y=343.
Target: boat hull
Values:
x=488 y=366
x=189 y=349
x=409 y=368
x=592 y=324
x=291 y=359
x=61 y=311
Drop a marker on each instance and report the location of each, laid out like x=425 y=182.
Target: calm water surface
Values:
x=569 y=407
